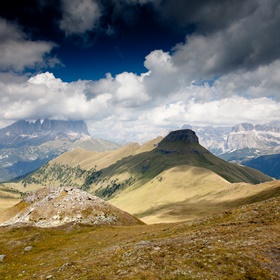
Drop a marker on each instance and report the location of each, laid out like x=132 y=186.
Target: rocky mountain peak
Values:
x=243 y=127
x=46 y=125
x=24 y=132
x=48 y=207
x=186 y=136
x=178 y=141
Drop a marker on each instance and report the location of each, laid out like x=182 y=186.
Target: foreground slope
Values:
x=239 y=244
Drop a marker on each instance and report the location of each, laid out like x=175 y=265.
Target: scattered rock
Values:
x=28 y=248
x=2 y=257
x=143 y=243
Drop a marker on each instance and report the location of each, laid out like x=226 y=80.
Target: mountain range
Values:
x=244 y=143
x=25 y=146
x=72 y=234
x=147 y=180
x=257 y=139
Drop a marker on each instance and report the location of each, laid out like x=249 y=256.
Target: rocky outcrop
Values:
x=50 y=207
x=184 y=135
x=179 y=141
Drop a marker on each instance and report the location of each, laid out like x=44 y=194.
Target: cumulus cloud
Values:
x=79 y=16
x=17 y=52
x=259 y=82
x=126 y=89
x=126 y=107
x=233 y=110
x=44 y=96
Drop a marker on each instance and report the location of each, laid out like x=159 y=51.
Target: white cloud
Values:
x=233 y=110
x=131 y=92
x=224 y=77
x=122 y=108
x=79 y=16
x=126 y=89
x=17 y=52
x=259 y=82
x=160 y=62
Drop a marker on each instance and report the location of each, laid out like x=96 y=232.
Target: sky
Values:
x=134 y=69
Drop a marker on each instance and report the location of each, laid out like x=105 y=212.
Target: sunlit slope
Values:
x=185 y=192
x=170 y=187
x=8 y=197
x=89 y=159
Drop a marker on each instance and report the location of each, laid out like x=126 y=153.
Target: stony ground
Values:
x=243 y=243
x=52 y=206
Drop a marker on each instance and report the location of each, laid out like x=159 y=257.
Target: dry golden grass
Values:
x=8 y=202
x=20 y=187
x=184 y=193
x=239 y=244
x=90 y=159
x=8 y=197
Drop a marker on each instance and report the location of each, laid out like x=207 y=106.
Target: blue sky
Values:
x=133 y=69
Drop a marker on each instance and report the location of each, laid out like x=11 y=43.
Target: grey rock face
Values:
x=259 y=138
x=26 y=146
x=23 y=131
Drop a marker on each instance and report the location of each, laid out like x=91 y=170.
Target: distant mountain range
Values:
x=35 y=133
x=25 y=146
x=244 y=143
x=252 y=140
